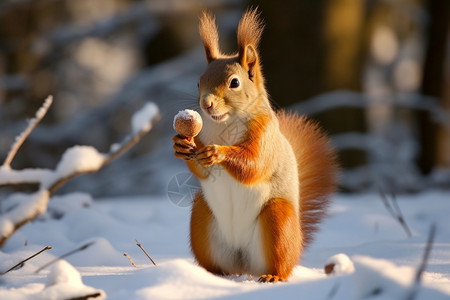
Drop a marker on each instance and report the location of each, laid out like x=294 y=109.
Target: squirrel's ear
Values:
x=248 y=36
x=248 y=58
x=210 y=36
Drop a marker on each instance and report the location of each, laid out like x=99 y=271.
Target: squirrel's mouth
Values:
x=220 y=118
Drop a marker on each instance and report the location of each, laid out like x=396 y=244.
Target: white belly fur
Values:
x=236 y=230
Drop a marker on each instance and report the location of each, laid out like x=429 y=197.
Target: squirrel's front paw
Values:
x=211 y=155
x=184 y=148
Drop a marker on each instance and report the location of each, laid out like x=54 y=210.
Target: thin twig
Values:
x=400 y=217
x=27 y=259
x=333 y=290
x=86 y=297
x=142 y=248
x=129 y=258
x=23 y=136
x=426 y=255
x=84 y=247
x=395 y=211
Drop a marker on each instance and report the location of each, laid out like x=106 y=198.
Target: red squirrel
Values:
x=265 y=189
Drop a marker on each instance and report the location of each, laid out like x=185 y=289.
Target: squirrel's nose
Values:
x=207 y=103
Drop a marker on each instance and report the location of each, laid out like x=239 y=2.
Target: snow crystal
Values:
x=44 y=108
x=79 y=159
x=186 y=115
x=115 y=147
x=142 y=119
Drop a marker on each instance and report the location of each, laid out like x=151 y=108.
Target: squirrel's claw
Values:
x=210 y=155
x=269 y=278
x=184 y=148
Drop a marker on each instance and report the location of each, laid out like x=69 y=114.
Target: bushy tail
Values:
x=317 y=169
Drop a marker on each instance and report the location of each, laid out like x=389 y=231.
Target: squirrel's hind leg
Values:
x=201 y=220
x=281 y=239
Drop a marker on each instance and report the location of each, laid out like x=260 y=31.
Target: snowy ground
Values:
x=385 y=259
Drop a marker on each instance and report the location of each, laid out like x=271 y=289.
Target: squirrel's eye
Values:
x=198 y=84
x=234 y=83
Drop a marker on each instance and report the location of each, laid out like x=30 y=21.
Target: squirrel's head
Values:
x=232 y=85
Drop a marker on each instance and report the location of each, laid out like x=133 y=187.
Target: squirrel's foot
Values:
x=270 y=278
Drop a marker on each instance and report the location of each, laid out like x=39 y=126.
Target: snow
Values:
x=142 y=119
x=79 y=159
x=24 y=134
x=187 y=114
x=63 y=282
x=340 y=264
x=359 y=232
x=10 y=176
x=21 y=207
x=44 y=108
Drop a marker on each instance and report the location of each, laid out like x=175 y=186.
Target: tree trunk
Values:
x=433 y=79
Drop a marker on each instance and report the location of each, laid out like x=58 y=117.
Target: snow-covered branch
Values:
x=23 y=136
x=19 y=209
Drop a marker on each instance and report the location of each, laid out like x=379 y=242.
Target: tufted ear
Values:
x=248 y=58
x=248 y=36
x=210 y=36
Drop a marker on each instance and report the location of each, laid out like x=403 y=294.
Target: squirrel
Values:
x=266 y=177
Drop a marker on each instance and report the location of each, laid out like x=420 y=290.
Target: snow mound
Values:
x=64 y=282
x=63 y=272
x=339 y=264
x=64 y=204
x=185 y=280
x=384 y=280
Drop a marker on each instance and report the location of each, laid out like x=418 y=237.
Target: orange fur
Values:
x=210 y=36
x=242 y=160
x=282 y=237
x=201 y=219
x=317 y=169
x=250 y=29
x=249 y=34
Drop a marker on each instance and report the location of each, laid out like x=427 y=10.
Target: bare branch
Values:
x=87 y=297
x=84 y=247
x=27 y=259
x=142 y=248
x=426 y=255
x=23 y=136
x=129 y=258
x=395 y=211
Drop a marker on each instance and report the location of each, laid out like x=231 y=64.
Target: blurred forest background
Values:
x=374 y=73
